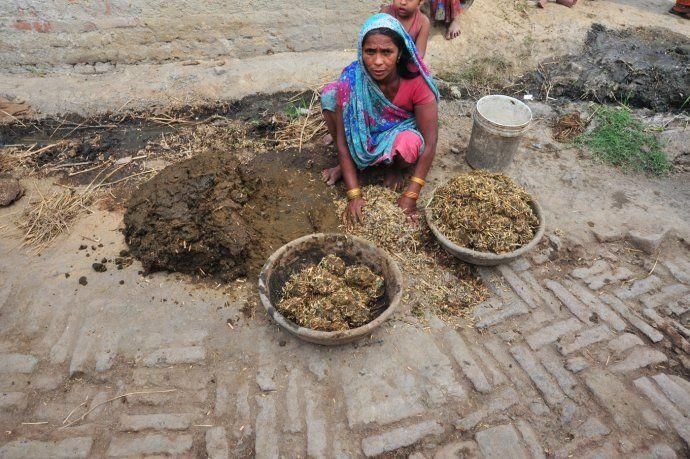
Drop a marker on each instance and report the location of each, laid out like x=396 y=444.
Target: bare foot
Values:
x=453 y=29
x=568 y=3
x=332 y=175
x=541 y=3
x=394 y=178
x=327 y=140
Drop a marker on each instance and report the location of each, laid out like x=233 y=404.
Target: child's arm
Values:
x=423 y=36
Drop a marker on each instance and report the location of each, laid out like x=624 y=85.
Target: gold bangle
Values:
x=411 y=195
x=417 y=180
x=354 y=193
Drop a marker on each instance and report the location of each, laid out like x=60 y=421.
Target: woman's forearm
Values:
x=347 y=165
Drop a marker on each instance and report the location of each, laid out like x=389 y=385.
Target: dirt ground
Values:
x=235 y=382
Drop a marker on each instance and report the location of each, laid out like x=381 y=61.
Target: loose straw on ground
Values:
x=87 y=412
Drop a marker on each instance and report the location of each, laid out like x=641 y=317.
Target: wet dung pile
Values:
x=641 y=67
x=187 y=218
x=332 y=296
x=484 y=211
x=212 y=215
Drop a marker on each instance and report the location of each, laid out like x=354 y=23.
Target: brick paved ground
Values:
x=586 y=359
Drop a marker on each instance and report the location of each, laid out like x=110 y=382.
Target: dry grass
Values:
x=48 y=217
x=304 y=123
x=435 y=281
x=484 y=211
x=568 y=126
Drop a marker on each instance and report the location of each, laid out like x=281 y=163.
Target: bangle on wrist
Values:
x=419 y=181
x=411 y=195
x=353 y=194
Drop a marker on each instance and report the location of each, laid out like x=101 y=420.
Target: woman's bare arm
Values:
x=353 y=213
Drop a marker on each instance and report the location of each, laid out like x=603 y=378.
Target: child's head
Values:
x=406 y=8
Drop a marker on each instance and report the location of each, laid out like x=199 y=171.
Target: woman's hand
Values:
x=353 y=212
x=409 y=206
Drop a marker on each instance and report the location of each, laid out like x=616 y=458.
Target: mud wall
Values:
x=54 y=33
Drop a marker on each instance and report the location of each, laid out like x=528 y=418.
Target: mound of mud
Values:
x=187 y=218
x=641 y=67
x=211 y=216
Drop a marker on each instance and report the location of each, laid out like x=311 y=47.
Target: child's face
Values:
x=406 y=8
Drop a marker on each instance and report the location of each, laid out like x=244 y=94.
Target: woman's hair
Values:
x=406 y=60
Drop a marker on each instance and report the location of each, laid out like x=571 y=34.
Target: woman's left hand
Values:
x=409 y=206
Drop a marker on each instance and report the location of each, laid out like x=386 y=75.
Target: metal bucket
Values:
x=499 y=123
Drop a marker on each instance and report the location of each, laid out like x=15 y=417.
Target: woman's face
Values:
x=380 y=56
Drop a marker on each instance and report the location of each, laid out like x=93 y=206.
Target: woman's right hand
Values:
x=353 y=212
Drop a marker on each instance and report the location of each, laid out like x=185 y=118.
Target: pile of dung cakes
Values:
x=332 y=296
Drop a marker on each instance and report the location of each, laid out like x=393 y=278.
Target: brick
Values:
x=518 y=286
x=653 y=334
x=517 y=376
x=108 y=351
x=552 y=332
x=530 y=438
x=597 y=306
x=607 y=235
x=10 y=401
x=680 y=269
x=589 y=431
x=623 y=342
x=680 y=306
x=180 y=378
x=265 y=444
x=549 y=389
x=216 y=443
x=149 y=444
x=585 y=338
x=266 y=378
x=17 y=363
x=599 y=266
x=399 y=438
x=619 y=274
x=295 y=389
x=511 y=309
x=389 y=404
x=639 y=357
x=568 y=299
x=576 y=364
x=454 y=450
x=546 y=296
x=667 y=294
x=175 y=356
x=606 y=451
x=665 y=407
x=647 y=242
x=657 y=451
x=139 y=422
x=498 y=402
x=554 y=365
x=77 y=447
x=500 y=442
x=628 y=410
x=243 y=421
x=677 y=394
x=519 y=265
x=317 y=440
x=464 y=358
x=82 y=352
x=497 y=377
x=638 y=287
